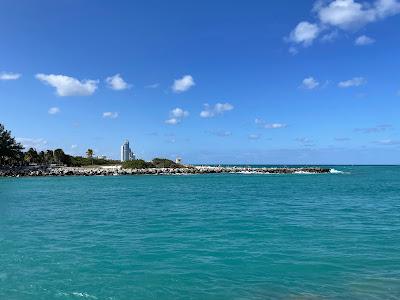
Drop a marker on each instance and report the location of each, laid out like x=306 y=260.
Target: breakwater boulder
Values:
x=33 y=171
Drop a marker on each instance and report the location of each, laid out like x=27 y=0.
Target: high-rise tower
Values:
x=126 y=152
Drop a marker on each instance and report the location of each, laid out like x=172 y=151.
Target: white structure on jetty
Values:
x=126 y=152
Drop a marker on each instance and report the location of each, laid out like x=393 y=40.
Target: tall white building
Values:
x=126 y=152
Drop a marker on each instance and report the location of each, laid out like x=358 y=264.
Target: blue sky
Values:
x=210 y=81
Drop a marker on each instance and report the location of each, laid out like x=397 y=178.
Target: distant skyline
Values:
x=288 y=82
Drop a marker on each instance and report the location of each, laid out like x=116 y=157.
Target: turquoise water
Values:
x=227 y=236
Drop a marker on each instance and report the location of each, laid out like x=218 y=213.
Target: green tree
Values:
x=10 y=150
x=31 y=156
x=165 y=163
x=41 y=158
x=89 y=154
x=59 y=156
x=49 y=157
x=137 y=164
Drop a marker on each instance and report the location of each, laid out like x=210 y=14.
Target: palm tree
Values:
x=89 y=154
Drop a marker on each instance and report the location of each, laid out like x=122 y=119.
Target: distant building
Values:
x=126 y=152
x=178 y=160
x=101 y=157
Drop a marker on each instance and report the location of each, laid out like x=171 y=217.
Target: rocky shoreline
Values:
x=33 y=171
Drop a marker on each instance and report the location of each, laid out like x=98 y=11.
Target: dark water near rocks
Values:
x=222 y=236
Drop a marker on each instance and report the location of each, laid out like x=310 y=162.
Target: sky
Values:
x=246 y=82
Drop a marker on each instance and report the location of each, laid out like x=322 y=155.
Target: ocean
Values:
x=215 y=236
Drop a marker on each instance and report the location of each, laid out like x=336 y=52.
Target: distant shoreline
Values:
x=34 y=171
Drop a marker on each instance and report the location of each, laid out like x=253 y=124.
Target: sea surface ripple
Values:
x=216 y=236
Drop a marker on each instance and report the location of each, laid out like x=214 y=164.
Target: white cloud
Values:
x=74 y=146
x=179 y=113
x=330 y=37
x=363 y=40
x=110 y=115
x=351 y=15
x=304 y=33
x=9 y=76
x=117 y=83
x=172 y=121
x=69 y=86
x=275 y=126
x=176 y=115
x=309 y=83
x=32 y=142
x=293 y=50
x=345 y=15
x=264 y=124
x=356 y=81
x=217 y=109
x=53 y=110
x=183 y=84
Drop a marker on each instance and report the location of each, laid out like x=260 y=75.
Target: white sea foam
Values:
x=84 y=295
x=334 y=171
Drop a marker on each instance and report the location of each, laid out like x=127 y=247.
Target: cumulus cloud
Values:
x=37 y=143
x=9 y=76
x=345 y=15
x=110 y=115
x=304 y=33
x=74 y=146
x=176 y=115
x=218 y=109
x=53 y=110
x=117 y=83
x=183 y=84
x=356 y=81
x=352 y=15
x=363 y=40
x=264 y=124
x=309 y=83
x=69 y=86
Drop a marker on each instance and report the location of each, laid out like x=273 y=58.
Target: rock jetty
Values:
x=32 y=171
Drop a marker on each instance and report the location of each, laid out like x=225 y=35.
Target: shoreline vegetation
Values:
x=14 y=162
